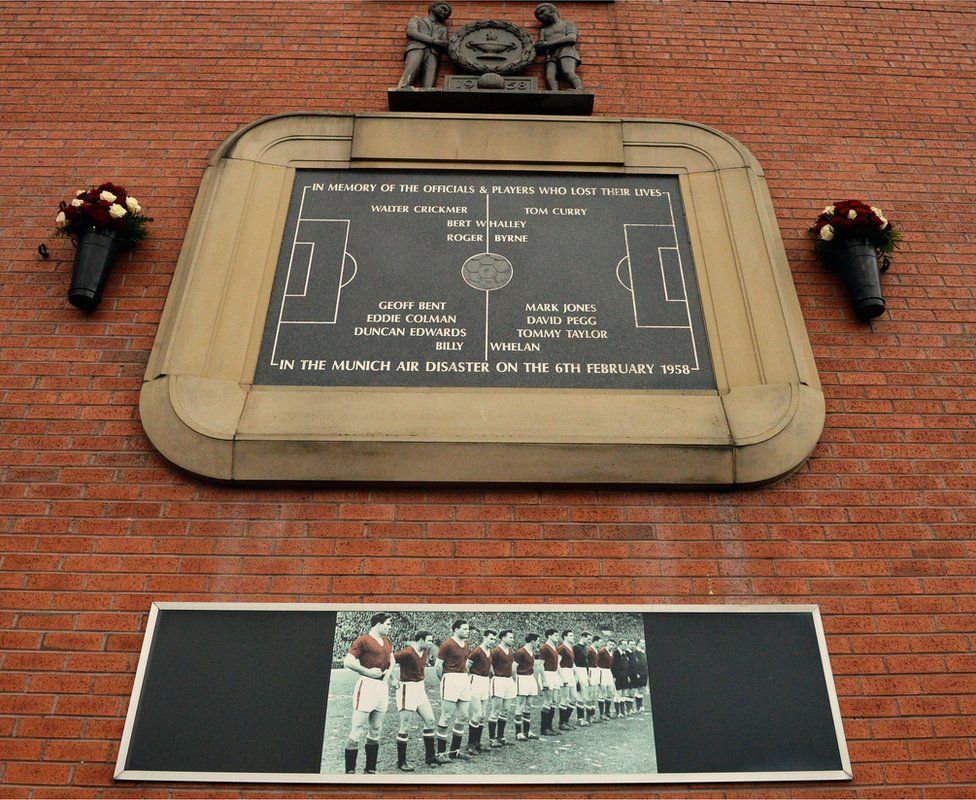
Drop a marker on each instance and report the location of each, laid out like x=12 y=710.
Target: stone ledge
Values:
x=491 y=101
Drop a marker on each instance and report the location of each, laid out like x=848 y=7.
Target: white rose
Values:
x=133 y=205
x=107 y=196
x=852 y=214
x=829 y=211
x=116 y=211
x=827 y=233
x=60 y=220
x=79 y=193
x=876 y=210
x=76 y=203
x=884 y=222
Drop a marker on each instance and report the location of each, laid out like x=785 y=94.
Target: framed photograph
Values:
x=310 y=693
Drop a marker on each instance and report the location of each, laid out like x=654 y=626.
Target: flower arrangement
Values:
x=107 y=207
x=848 y=220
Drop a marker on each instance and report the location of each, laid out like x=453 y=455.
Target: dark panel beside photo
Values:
x=234 y=691
x=742 y=692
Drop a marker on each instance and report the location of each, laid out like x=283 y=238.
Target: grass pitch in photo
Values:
x=431 y=695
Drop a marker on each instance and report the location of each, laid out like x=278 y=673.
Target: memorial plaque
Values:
x=466 y=279
x=274 y=693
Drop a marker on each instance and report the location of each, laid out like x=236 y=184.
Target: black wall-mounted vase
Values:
x=93 y=262
x=857 y=261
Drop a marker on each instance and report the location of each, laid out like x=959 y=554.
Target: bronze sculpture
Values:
x=557 y=41
x=427 y=38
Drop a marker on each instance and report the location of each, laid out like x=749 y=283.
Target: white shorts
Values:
x=370 y=695
x=595 y=675
x=606 y=678
x=551 y=680
x=582 y=676
x=526 y=685
x=503 y=688
x=455 y=687
x=567 y=676
x=411 y=695
x=480 y=687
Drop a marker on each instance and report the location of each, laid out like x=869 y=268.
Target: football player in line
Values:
x=479 y=668
x=604 y=664
x=407 y=681
x=528 y=680
x=620 y=668
x=585 y=707
x=503 y=690
x=569 y=696
x=641 y=685
x=371 y=657
x=452 y=671
x=633 y=676
x=551 y=682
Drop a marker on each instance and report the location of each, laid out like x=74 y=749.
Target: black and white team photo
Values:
x=494 y=693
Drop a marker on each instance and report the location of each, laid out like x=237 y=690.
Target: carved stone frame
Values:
x=200 y=407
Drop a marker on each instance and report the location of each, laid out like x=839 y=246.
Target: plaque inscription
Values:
x=466 y=279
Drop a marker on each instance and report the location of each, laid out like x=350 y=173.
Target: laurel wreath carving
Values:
x=518 y=62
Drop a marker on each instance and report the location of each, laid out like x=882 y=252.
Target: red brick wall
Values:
x=836 y=99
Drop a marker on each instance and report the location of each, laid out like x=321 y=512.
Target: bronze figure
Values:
x=427 y=38
x=557 y=41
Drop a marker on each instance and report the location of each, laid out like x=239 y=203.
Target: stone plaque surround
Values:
x=201 y=409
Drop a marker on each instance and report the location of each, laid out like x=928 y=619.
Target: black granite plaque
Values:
x=485 y=279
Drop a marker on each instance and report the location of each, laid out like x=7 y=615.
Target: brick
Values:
x=36 y=774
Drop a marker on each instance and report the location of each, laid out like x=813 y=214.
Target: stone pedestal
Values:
x=491 y=101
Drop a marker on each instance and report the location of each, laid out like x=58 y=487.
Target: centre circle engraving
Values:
x=487 y=271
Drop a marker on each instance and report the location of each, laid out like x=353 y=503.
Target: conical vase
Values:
x=94 y=258
x=857 y=261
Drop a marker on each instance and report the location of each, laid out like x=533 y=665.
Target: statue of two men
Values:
x=427 y=39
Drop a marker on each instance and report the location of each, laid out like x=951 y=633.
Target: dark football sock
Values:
x=401 y=742
x=351 y=756
x=372 y=751
x=501 y=728
x=472 y=735
x=441 y=738
x=640 y=701
x=580 y=712
x=430 y=744
x=492 y=728
x=457 y=734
